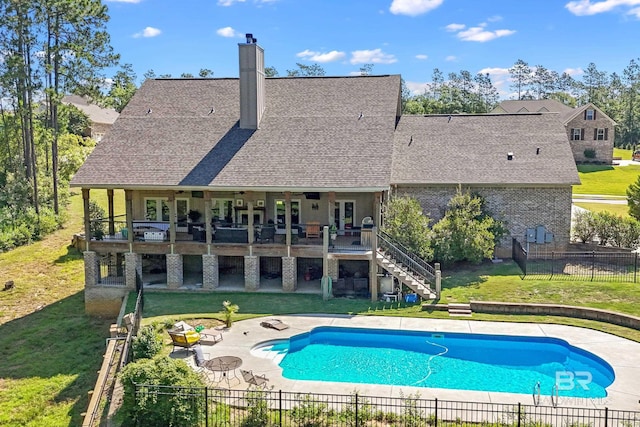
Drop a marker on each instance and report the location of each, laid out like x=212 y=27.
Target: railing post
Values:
x=280 y=407
x=553 y=262
x=206 y=406
x=606 y=416
x=593 y=263
x=519 y=413
x=436 y=408
x=356 y=410
x=635 y=267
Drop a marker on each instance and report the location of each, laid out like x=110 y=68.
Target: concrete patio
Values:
x=620 y=353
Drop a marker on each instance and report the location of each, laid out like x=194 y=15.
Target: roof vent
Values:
x=251 y=39
x=537 y=151
x=509 y=155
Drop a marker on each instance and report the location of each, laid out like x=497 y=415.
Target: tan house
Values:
x=589 y=130
x=273 y=165
x=100 y=119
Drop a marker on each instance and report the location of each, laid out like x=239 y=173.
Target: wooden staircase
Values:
x=405 y=266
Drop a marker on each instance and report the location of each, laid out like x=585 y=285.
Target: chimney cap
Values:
x=250 y=38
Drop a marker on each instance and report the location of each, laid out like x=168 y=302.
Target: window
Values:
x=590 y=114
x=156 y=209
x=222 y=210
x=576 y=134
x=280 y=212
x=600 y=134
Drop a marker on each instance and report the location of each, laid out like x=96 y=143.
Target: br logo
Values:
x=567 y=380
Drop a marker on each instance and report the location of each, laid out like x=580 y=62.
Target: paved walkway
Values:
x=621 y=354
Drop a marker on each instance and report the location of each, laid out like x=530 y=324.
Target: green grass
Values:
x=622 y=154
x=607 y=180
x=619 y=210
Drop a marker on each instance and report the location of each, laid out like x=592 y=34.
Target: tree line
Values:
x=48 y=48
x=616 y=94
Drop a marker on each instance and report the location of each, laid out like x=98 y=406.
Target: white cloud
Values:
x=495 y=18
x=495 y=71
x=416 y=88
x=413 y=7
x=148 y=32
x=586 y=7
x=332 y=56
x=480 y=34
x=229 y=2
x=421 y=56
x=451 y=58
x=375 y=56
x=635 y=12
x=574 y=71
x=228 y=32
x=455 y=27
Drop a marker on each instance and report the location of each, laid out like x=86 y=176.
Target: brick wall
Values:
x=519 y=207
x=289 y=274
x=603 y=149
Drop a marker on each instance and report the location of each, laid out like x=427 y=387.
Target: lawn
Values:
x=622 y=154
x=607 y=180
x=619 y=210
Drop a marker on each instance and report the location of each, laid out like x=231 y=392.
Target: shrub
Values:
x=405 y=223
x=160 y=409
x=228 y=310
x=584 y=227
x=146 y=344
x=309 y=412
x=257 y=408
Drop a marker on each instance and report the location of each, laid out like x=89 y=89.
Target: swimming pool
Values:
x=512 y=364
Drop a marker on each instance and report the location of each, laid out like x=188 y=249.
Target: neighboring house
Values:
x=100 y=119
x=266 y=161
x=589 y=130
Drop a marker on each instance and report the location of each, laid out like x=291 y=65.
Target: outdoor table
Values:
x=226 y=365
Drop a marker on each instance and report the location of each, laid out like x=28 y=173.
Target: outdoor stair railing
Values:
x=400 y=254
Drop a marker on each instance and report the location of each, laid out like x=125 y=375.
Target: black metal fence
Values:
x=111 y=269
x=590 y=266
x=206 y=407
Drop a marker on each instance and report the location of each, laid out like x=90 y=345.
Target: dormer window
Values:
x=590 y=114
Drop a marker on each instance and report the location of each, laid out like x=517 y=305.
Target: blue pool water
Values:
x=513 y=364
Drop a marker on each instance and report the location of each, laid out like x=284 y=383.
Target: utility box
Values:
x=540 y=233
x=531 y=235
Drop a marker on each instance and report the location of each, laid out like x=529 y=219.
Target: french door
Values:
x=344 y=215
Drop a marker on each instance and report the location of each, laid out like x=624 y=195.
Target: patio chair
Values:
x=199 y=359
x=266 y=234
x=253 y=379
x=184 y=339
x=313 y=229
x=274 y=324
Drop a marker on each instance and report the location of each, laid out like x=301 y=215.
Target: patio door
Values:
x=344 y=215
x=182 y=215
x=156 y=209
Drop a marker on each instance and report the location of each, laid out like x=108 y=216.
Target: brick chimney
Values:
x=251 y=83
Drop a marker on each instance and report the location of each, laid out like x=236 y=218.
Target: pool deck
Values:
x=622 y=354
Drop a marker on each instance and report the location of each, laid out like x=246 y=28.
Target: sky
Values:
x=406 y=37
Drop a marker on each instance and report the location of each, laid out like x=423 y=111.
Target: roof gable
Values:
x=576 y=112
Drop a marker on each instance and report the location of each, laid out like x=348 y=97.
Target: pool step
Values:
x=459 y=310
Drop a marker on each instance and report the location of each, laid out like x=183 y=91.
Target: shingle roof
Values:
x=95 y=113
x=533 y=106
x=472 y=149
x=311 y=136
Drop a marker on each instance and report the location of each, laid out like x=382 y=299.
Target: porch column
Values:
x=128 y=200
x=91 y=269
x=112 y=228
x=251 y=273
x=373 y=265
x=207 y=218
x=87 y=218
x=250 y=231
x=332 y=268
x=287 y=217
x=210 y=272
x=175 y=273
x=289 y=273
x=331 y=214
x=377 y=211
x=171 y=197
x=131 y=260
